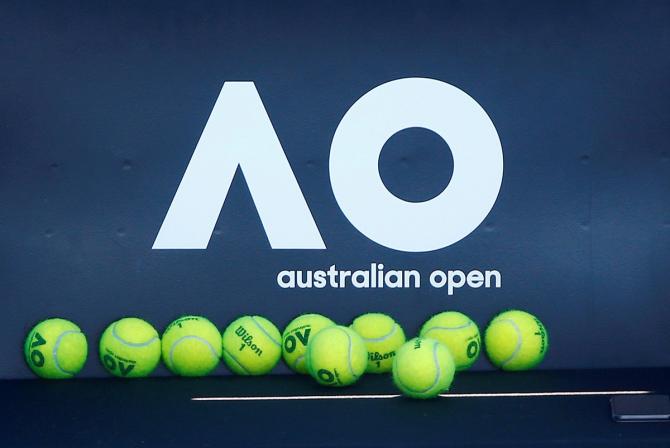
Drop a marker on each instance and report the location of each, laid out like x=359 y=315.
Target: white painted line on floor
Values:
x=550 y=394
x=298 y=397
x=389 y=396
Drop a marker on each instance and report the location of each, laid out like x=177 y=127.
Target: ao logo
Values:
x=239 y=133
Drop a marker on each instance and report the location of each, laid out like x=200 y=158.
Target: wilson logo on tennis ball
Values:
x=377 y=357
x=247 y=340
x=239 y=133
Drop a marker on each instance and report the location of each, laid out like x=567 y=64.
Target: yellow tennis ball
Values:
x=251 y=345
x=382 y=337
x=336 y=356
x=56 y=348
x=423 y=368
x=516 y=340
x=130 y=348
x=296 y=336
x=458 y=332
x=191 y=346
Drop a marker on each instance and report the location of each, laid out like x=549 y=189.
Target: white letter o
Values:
x=456 y=211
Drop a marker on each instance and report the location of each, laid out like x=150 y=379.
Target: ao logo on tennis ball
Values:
x=291 y=343
x=112 y=364
x=239 y=134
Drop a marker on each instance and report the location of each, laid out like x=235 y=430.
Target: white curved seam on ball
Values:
x=351 y=366
x=518 y=342
x=437 y=375
x=116 y=336
x=236 y=361
x=265 y=332
x=460 y=327
x=191 y=336
x=382 y=338
x=297 y=360
x=438 y=372
x=54 y=352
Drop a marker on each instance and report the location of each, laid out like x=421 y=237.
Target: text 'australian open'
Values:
x=377 y=277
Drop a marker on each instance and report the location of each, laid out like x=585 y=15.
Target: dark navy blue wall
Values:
x=101 y=106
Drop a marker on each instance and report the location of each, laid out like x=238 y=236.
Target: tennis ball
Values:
x=516 y=340
x=296 y=336
x=251 y=345
x=458 y=332
x=423 y=368
x=130 y=348
x=191 y=346
x=336 y=356
x=56 y=348
x=382 y=337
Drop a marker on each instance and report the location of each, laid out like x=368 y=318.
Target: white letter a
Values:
x=238 y=133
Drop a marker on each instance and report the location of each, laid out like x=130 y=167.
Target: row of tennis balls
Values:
x=422 y=367
x=191 y=346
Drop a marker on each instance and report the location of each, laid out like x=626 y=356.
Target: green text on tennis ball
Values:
x=382 y=337
x=423 y=368
x=336 y=356
x=296 y=336
x=251 y=345
x=516 y=340
x=56 y=348
x=191 y=346
x=458 y=332
x=130 y=348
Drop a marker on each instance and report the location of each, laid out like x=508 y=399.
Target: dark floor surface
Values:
x=159 y=412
